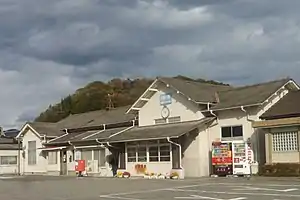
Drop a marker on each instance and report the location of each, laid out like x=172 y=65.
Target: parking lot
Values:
x=72 y=188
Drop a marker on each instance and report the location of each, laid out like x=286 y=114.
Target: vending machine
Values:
x=242 y=157
x=221 y=158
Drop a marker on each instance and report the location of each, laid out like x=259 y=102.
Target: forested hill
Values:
x=94 y=96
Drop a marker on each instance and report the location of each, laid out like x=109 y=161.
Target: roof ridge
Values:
x=256 y=84
x=194 y=81
x=105 y=110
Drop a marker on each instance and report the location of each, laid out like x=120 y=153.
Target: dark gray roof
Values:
x=96 y=118
x=248 y=95
x=8 y=144
x=159 y=131
x=288 y=106
x=88 y=135
x=46 y=128
x=103 y=135
x=72 y=136
x=88 y=119
x=197 y=91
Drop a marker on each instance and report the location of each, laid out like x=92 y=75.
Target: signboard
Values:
x=165 y=99
x=221 y=154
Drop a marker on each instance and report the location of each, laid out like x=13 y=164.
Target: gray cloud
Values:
x=50 y=48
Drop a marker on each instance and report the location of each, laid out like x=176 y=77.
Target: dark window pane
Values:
x=226 y=132
x=237 y=131
x=164 y=159
x=153 y=159
x=175 y=157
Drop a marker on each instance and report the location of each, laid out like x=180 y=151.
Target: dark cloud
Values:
x=50 y=48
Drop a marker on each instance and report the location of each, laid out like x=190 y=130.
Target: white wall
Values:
x=180 y=106
x=10 y=169
x=41 y=159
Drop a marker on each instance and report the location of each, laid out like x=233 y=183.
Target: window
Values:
x=52 y=157
x=160 y=121
x=142 y=154
x=164 y=153
x=153 y=154
x=8 y=160
x=131 y=154
x=285 y=141
x=174 y=119
x=157 y=152
x=99 y=155
x=87 y=155
x=232 y=131
x=31 y=152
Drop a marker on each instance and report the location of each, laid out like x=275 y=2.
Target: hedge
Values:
x=280 y=170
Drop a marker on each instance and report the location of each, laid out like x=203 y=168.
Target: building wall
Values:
x=281 y=156
x=41 y=159
x=180 y=106
x=11 y=169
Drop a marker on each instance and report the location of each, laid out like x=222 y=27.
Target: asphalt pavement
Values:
x=89 y=188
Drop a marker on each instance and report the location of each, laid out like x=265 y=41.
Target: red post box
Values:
x=80 y=166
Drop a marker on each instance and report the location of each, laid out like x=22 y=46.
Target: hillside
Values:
x=94 y=96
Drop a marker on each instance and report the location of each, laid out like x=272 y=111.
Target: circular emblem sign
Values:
x=165 y=112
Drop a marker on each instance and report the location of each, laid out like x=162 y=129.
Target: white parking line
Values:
x=113 y=195
x=266 y=189
x=209 y=198
x=237 y=193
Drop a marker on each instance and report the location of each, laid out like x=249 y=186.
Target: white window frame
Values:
x=32 y=154
x=285 y=141
x=8 y=162
x=147 y=146
x=231 y=135
x=52 y=157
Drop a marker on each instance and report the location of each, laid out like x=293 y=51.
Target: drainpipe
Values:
x=212 y=113
x=19 y=156
x=101 y=144
x=179 y=146
x=248 y=119
x=255 y=135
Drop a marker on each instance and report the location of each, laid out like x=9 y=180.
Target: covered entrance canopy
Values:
x=273 y=123
x=163 y=131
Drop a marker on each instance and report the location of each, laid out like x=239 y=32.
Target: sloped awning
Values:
x=163 y=131
x=52 y=148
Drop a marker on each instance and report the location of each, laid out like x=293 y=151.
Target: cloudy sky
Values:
x=49 y=48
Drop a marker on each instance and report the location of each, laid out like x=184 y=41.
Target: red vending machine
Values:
x=221 y=158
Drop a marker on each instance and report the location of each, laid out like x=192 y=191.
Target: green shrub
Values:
x=280 y=169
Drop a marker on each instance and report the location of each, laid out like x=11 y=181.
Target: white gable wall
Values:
x=235 y=117
x=180 y=106
x=41 y=159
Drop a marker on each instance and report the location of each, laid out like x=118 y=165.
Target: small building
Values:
x=51 y=148
x=10 y=151
x=281 y=128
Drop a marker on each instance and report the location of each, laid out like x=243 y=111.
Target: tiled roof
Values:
x=288 y=106
x=96 y=118
x=88 y=119
x=8 y=144
x=46 y=128
x=248 y=95
x=197 y=91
